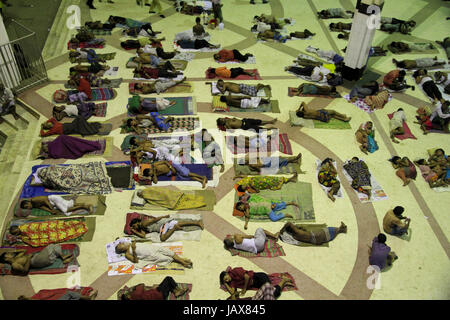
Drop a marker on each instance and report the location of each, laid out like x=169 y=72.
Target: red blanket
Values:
x=407 y=135
x=56 y=294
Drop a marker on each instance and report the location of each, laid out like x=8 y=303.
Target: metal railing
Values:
x=21 y=63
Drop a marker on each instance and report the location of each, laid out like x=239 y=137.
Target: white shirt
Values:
x=317 y=71
x=261 y=26
x=71 y=110
x=397 y=119
x=438 y=112
x=247 y=245
x=83 y=54
x=148 y=49
x=251 y=103
x=425 y=79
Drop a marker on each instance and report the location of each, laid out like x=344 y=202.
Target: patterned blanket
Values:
x=185 y=123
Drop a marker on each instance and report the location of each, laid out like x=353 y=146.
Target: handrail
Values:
x=32 y=32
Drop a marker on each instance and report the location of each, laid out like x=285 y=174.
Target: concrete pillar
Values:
x=9 y=72
x=365 y=22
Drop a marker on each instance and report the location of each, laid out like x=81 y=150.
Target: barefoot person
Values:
x=156 y=292
x=365 y=135
x=245 y=89
x=244 y=102
x=405 y=169
x=253 y=244
x=255 y=205
x=224 y=72
x=21 y=262
x=244 y=124
x=313 y=89
x=165 y=225
x=253 y=184
x=380 y=254
x=230 y=55
x=392 y=222
x=53 y=203
x=148 y=254
x=165 y=168
x=138 y=123
x=156 y=87
x=321 y=115
x=267 y=162
x=418 y=63
x=328 y=178
x=396 y=124
x=58 y=294
x=316 y=237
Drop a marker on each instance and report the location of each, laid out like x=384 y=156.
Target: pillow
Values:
x=219 y=106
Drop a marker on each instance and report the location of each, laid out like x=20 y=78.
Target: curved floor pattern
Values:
x=346 y=275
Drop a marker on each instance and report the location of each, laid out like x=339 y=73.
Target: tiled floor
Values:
x=337 y=272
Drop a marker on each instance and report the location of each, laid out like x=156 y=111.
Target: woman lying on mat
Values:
x=54 y=204
x=434 y=177
x=239 y=278
x=257 y=206
x=21 y=262
x=164 y=225
x=405 y=169
x=153 y=120
x=224 y=72
x=156 y=87
x=83 y=109
x=254 y=184
x=156 y=292
x=360 y=174
x=154 y=255
x=440 y=162
x=253 y=244
x=368 y=89
x=328 y=178
x=138 y=105
x=256 y=164
x=165 y=168
x=321 y=115
x=313 y=89
x=78 y=126
x=396 y=124
x=166 y=70
x=247 y=89
x=244 y=124
x=63 y=294
x=244 y=102
x=419 y=63
x=316 y=237
x=365 y=135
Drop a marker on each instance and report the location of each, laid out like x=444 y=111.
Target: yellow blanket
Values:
x=171 y=199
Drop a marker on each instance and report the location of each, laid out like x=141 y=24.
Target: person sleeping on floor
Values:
x=154 y=119
x=164 y=225
x=156 y=87
x=252 y=205
x=164 y=71
x=78 y=126
x=139 y=105
x=54 y=204
x=257 y=164
x=429 y=87
x=150 y=172
x=253 y=244
x=313 y=89
x=224 y=72
x=316 y=237
x=83 y=54
x=323 y=115
x=147 y=254
x=156 y=292
x=67 y=147
x=360 y=174
x=231 y=55
x=245 y=124
x=244 y=102
x=327 y=177
x=365 y=136
x=252 y=184
x=21 y=262
x=245 y=89
x=239 y=278
x=333 y=13
x=318 y=74
x=419 y=63
x=171 y=199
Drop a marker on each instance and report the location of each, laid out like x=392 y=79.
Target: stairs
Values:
x=20 y=136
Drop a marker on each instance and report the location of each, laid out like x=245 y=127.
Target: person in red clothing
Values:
x=234 y=278
x=78 y=126
x=230 y=55
x=161 y=292
x=395 y=80
x=85 y=86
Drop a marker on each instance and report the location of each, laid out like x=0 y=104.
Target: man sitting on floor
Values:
x=380 y=254
x=321 y=115
x=392 y=222
x=396 y=124
x=7 y=102
x=253 y=244
x=244 y=102
x=53 y=203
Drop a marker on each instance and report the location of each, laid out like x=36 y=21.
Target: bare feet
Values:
x=204 y=182
x=222 y=168
x=201 y=225
x=299 y=156
x=406 y=182
x=178 y=292
x=91 y=209
x=363 y=149
x=93 y=295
